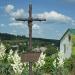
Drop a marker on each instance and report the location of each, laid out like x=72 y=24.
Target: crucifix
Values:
x=30 y=19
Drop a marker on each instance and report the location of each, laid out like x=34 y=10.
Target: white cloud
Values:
x=16 y=24
x=55 y=17
x=37 y=31
x=14 y=32
x=18 y=14
x=9 y=8
x=2 y=25
x=12 y=19
x=51 y=17
x=36 y=26
x=73 y=23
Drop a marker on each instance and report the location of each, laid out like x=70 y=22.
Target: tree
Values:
x=51 y=49
x=48 y=66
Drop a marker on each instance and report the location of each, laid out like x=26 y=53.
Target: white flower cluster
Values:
x=59 y=60
x=2 y=51
x=13 y=58
x=15 y=61
x=41 y=61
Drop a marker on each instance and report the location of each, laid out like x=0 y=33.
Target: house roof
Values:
x=72 y=31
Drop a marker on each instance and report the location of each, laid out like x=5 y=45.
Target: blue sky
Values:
x=60 y=15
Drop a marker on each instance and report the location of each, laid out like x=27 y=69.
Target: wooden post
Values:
x=30 y=68
x=30 y=20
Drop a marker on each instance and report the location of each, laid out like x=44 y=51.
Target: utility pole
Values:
x=30 y=19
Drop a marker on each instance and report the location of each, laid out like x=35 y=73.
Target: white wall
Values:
x=68 y=44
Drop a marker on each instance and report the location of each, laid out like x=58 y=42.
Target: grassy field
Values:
x=73 y=44
x=73 y=50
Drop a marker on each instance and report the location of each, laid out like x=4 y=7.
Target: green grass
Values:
x=73 y=50
x=73 y=37
x=73 y=46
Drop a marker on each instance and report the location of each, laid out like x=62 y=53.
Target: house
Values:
x=67 y=43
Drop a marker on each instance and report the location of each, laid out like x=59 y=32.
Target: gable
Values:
x=70 y=31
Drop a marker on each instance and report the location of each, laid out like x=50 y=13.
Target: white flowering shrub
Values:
x=41 y=61
x=2 y=51
x=5 y=67
x=15 y=61
x=59 y=61
x=58 y=64
x=38 y=65
x=10 y=63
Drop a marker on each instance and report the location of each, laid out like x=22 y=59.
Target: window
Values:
x=69 y=37
x=64 y=48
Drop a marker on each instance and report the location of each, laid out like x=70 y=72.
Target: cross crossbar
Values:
x=32 y=19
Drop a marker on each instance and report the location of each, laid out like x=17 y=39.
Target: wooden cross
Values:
x=30 y=19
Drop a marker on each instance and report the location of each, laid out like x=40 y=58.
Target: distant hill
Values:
x=51 y=41
x=6 y=36
x=21 y=42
